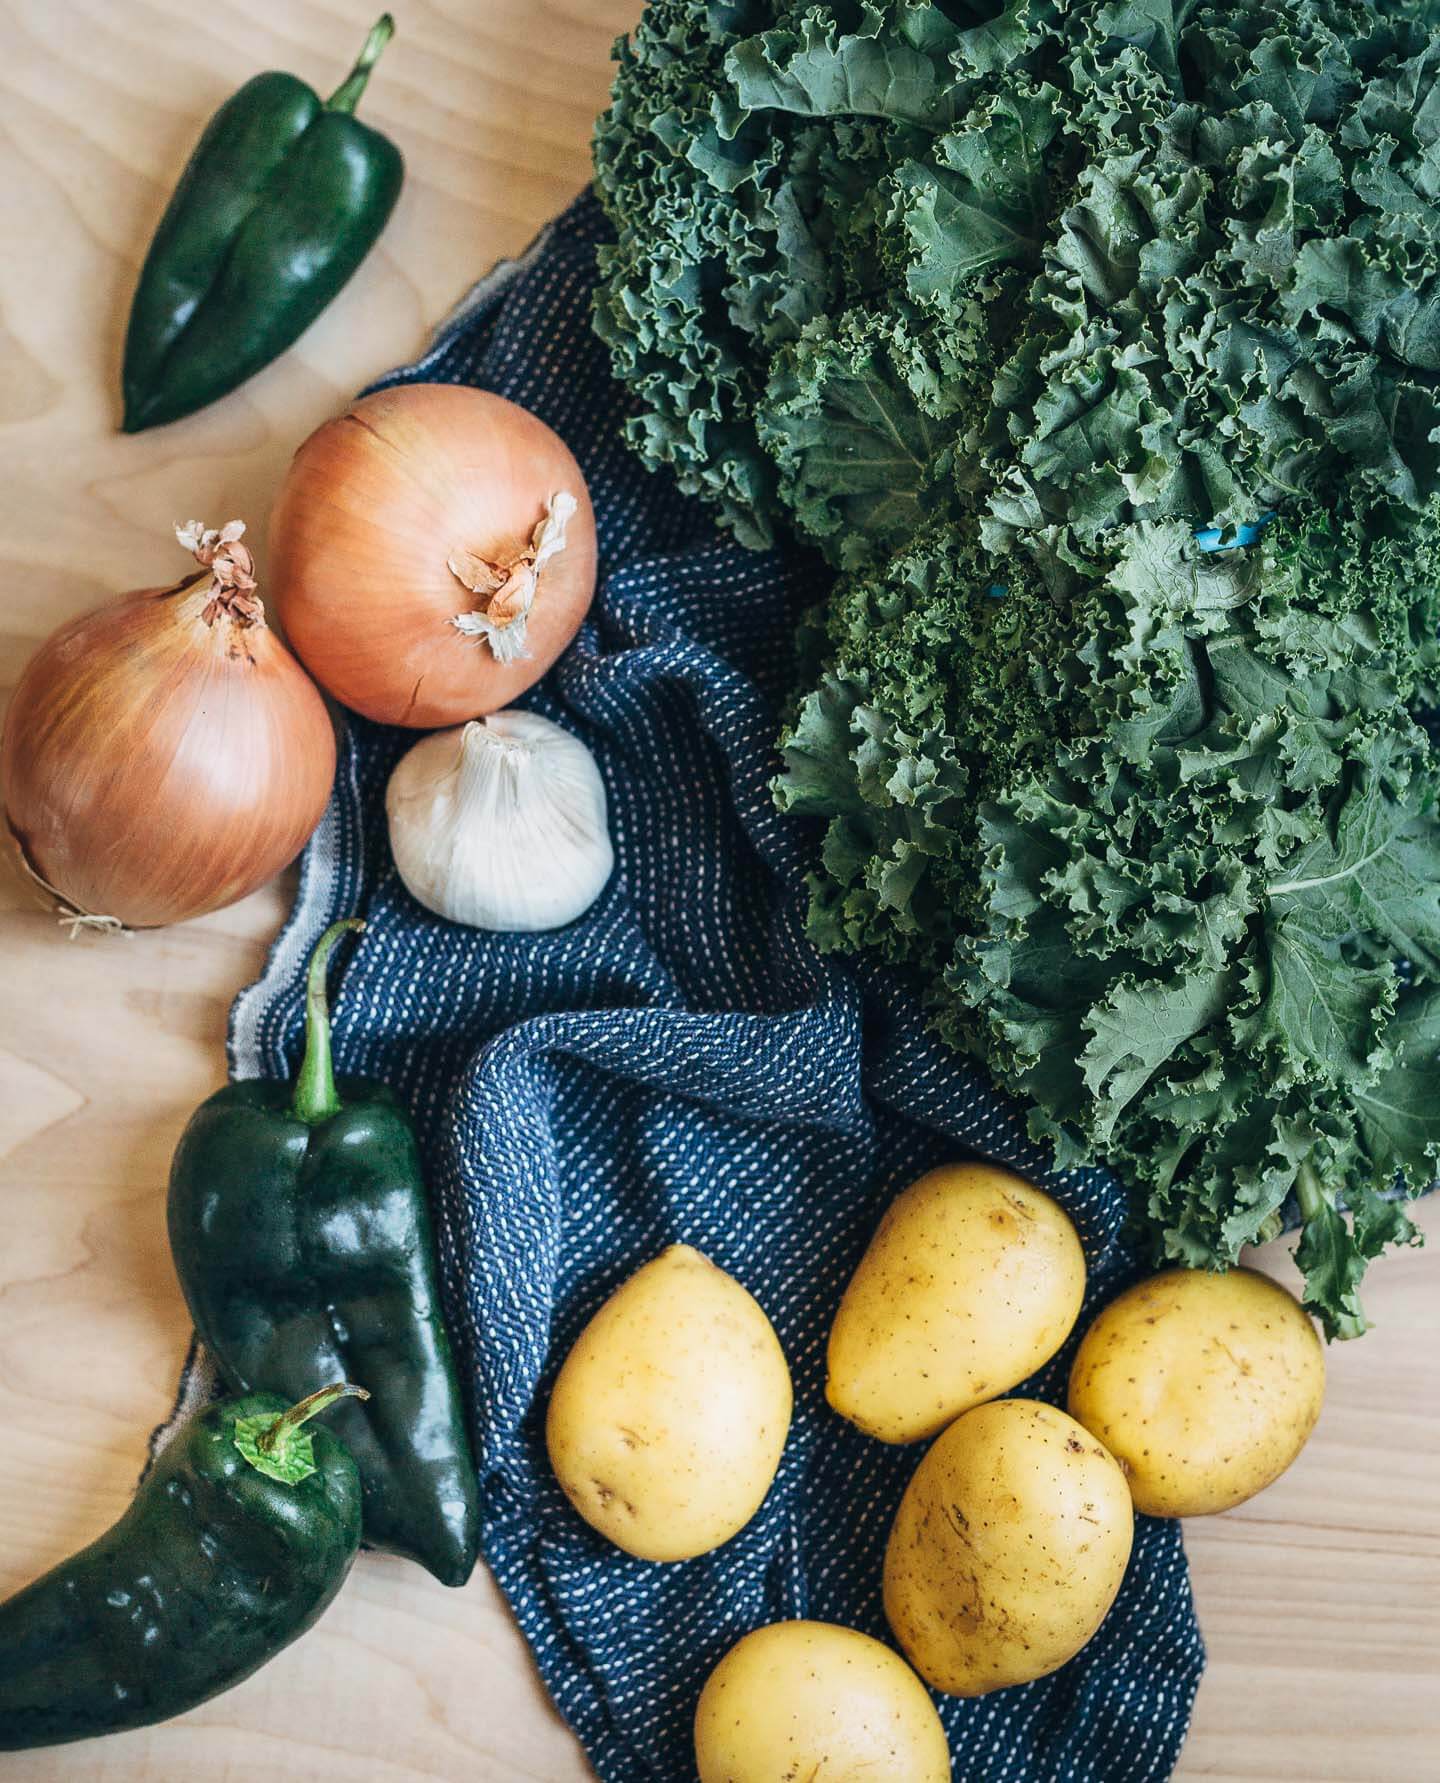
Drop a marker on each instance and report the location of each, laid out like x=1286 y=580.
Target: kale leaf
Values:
x=998 y=304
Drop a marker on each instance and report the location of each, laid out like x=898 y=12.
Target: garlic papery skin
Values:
x=501 y=824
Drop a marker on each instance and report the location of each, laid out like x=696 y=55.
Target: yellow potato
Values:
x=801 y=1700
x=972 y=1281
x=1205 y=1387
x=1008 y=1548
x=669 y=1415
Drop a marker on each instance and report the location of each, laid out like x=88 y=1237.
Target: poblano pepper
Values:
x=235 y=1543
x=282 y=199
x=301 y=1233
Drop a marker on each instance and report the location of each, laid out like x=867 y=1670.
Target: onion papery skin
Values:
x=156 y=765
x=373 y=507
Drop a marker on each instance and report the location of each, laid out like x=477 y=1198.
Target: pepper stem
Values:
x=347 y=95
x=316 y=1098
x=278 y=1447
x=308 y=1408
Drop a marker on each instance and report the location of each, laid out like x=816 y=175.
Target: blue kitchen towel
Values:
x=680 y=1065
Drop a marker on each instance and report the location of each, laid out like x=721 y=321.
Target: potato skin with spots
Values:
x=669 y=1415
x=1205 y=1387
x=972 y=1281
x=799 y=1700
x=1008 y=1548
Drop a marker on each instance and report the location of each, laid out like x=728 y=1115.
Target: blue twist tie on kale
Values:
x=1237 y=538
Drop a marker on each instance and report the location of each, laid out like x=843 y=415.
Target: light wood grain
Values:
x=1320 y=1601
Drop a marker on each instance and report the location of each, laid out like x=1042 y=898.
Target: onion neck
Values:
x=243 y=608
x=232 y=589
x=507 y=589
x=218 y=621
x=316 y=1098
x=201 y=591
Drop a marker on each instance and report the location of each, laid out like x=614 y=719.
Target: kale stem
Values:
x=1312 y=1198
x=1314 y=1202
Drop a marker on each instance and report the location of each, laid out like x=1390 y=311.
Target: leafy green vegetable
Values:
x=997 y=305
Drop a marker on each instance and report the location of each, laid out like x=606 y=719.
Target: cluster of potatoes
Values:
x=1189 y=1393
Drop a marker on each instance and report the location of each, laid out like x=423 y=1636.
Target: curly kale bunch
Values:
x=998 y=307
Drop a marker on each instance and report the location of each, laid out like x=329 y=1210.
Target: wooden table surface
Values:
x=1320 y=1600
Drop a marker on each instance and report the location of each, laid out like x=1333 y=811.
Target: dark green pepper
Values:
x=281 y=201
x=301 y=1233
x=236 y=1541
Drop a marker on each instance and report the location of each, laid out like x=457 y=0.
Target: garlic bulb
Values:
x=500 y=824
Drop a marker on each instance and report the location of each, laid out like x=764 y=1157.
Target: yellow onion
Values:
x=432 y=551
x=166 y=755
